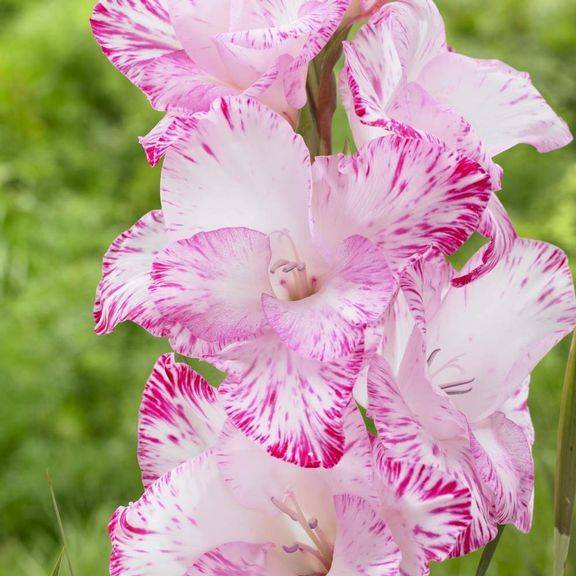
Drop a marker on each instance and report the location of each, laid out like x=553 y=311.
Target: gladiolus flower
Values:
x=400 y=76
x=450 y=388
x=184 y=54
x=279 y=266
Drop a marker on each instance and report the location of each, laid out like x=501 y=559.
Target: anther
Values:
x=454 y=388
x=433 y=355
x=291 y=549
x=313 y=523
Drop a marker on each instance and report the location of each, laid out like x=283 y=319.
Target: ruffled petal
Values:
x=217 y=179
x=504 y=462
x=329 y=324
x=513 y=316
x=414 y=421
x=172 y=525
x=418 y=32
x=133 y=33
x=501 y=103
x=123 y=291
x=364 y=543
x=427 y=511
x=179 y=418
x=497 y=226
x=403 y=194
x=233 y=559
x=212 y=283
x=291 y=405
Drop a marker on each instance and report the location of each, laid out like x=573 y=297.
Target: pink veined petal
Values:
x=133 y=33
x=501 y=103
x=497 y=226
x=329 y=324
x=184 y=514
x=424 y=285
x=233 y=559
x=415 y=109
x=123 y=291
x=173 y=82
x=514 y=315
x=504 y=462
x=372 y=73
x=293 y=406
x=195 y=25
x=296 y=27
x=267 y=477
x=516 y=409
x=179 y=418
x=418 y=31
x=427 y=510
x=414 y=421
x=185 y=343
x=212 y=283
x=483 y=528
x=217 y=178
x=403 y=194
x=364 y=543
x=173 y=129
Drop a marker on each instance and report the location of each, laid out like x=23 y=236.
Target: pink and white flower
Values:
x=184 y=54
x=450 y=388
x=274 y=268
x=400 y=76
x=215 y=503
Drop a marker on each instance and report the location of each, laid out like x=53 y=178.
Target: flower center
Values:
x=454 y=386
x=319 y=548
x=292 y=279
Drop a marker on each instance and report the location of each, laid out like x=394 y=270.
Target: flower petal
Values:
x=497 y=226
x=179 y=418
x=212 y=283
x=172 y=525
x=414 y=421
x=233 y=559
x=505 y=465
x=133 y=33
x=123 y=291
x=501 y=103
x=427 y=511
x=364 y=543
x=291 y=405
x=328 y=324
x=514 y=315
x=403 y=194
x=267 y=477
x=418 y=31
x=217 y=179
x=516 y=409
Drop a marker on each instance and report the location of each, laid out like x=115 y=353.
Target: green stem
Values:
x=565 y=481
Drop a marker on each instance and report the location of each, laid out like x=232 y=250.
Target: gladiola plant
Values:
x=373 y=413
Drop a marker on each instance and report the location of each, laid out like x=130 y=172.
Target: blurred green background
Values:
x=72 y=176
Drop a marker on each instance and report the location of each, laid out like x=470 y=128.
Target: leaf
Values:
x=488 y=553
x=60 y=524
x=58 y=565
x=565 y=481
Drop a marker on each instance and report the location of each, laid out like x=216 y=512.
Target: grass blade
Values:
x=565 y=481
x=58 y=565
x=60 y=524
x=488 y=553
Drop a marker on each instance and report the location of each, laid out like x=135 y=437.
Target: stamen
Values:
x=278 y=264
x=450 y=387
x=323 y=551
x=433 y=355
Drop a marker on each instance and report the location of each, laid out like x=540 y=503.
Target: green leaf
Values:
x=58 y=565
x=565 y=482
x=488 y=553
x=60 y=524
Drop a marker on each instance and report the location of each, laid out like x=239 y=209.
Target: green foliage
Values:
x=72 y=177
